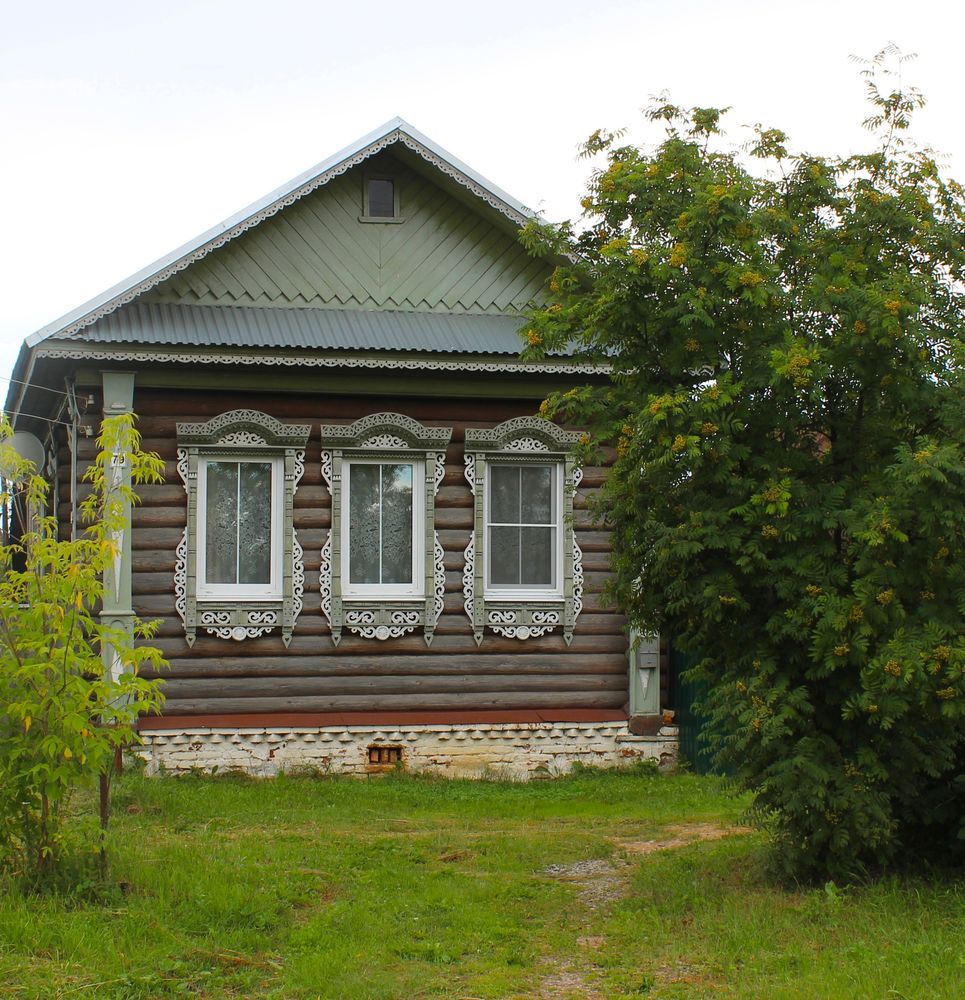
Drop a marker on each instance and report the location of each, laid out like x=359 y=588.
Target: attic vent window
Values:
x=380 y=202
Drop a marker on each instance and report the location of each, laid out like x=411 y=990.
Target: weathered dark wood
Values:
x=157 y=517
x=457 y=640
x=388 y=703
x=406 y=661
x=401 y=675
x=333 y=685
x=456 y=518
x=161 y=539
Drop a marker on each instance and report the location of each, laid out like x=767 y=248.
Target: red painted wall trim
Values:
x=324 y=719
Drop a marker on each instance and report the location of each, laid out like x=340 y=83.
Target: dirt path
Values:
x=601 y=883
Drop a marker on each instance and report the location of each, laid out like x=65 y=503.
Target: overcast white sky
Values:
x=126 y=128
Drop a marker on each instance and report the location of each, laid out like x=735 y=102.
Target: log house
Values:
x=369 y=549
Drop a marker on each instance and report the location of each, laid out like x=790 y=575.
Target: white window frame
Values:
x=240 y=611
x=386 y=591
x=522 y=612
x=242 y=591
x=523 y=592
x=384 y=612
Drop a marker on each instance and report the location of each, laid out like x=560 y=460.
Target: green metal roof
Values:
x=311 y=329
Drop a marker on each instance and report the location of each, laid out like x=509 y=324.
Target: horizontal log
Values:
x=379 y=686
x=496 y=652
x=438 y=666
x=594 y=540
x=162 y=494
x=584 y=520
x=454 y=496
x=158 y=517
x=454 y=518
x=164 y=539
x=404 y=702
x=312 y=496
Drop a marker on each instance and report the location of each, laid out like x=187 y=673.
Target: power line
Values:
x=49 y=420
x=32 y=385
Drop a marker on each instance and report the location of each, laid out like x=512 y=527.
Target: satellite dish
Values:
x=28 y=446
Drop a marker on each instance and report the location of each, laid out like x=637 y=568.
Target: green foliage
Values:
x=788 y=494
x=64 y=714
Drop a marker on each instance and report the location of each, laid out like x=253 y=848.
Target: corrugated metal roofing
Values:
x=313 y=329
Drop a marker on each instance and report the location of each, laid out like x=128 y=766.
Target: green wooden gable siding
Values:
x=446 y=256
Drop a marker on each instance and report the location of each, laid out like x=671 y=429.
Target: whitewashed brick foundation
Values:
x=512 y=749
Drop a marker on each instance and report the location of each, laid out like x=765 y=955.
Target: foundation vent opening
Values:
x=385 y=756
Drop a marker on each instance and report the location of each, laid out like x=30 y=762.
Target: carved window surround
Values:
x=526 y=441
x=389 y=437
x=241 y=435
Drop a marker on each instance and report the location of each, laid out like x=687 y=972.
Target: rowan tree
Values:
x=784 y=333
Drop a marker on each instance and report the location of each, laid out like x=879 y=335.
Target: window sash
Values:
x=552 y=589
x=415 y=587
x=270 y=589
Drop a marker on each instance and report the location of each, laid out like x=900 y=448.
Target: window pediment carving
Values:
x=243 y=428
x=523 y=434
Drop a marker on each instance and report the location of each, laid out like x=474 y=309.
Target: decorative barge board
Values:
x=368 y=551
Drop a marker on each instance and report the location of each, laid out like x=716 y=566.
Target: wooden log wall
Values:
x=219 y=676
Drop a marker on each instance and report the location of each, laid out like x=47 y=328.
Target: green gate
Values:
x=684 y=694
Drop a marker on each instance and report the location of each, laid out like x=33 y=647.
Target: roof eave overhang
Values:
x=138 y=354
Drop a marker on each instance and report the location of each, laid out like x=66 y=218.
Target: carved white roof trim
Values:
x=305 y=360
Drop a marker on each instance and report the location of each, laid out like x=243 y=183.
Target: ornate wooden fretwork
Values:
x=247 y=434
x=522 y=440
x=303 y=359
x=393 y=437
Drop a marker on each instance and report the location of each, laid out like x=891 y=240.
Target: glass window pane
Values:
x=381 y=198
x=254 y=522
x=363 y=523
x=503 y=556
x=221 y=522
x=537 y=557
x=504 y=494
x=537 y=494
x=396 y=523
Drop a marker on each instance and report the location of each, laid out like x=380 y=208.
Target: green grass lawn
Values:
x=591 y=886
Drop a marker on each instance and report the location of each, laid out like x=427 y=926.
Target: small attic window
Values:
x=380 y=200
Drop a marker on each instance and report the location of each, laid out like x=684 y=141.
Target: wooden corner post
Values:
x=116 y=609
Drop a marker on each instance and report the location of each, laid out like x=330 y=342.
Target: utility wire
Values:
x=49 y=420
x=32 y=385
